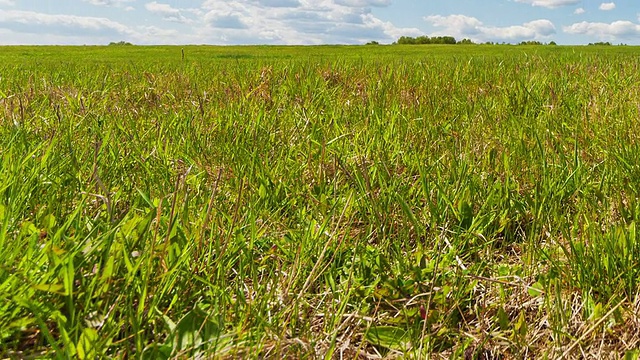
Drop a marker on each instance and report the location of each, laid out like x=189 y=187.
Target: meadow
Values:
x=319 y=202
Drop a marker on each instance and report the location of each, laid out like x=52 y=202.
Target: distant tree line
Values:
x=426 y=40
x=120 y=43
x=446 y=40
x=533 y=42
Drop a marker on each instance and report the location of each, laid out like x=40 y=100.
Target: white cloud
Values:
x=579 y=11
x=607 y=6
x=604 y=31
x=34 y=22
x=296 y=22
x=259 y=22
x=389 y=29
x=363 y=3
x=280 y=3
x=115 y=3
x=462 y=26
x=40 y=28
x=551 y=4
x=7 y=2
x=225 y=21
x=167 y=12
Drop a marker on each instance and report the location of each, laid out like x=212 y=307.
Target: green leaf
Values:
x=389 y=337
x=50 y=288
x=521 y=325
x=465 y=210
x=194 y=330
x=86 y=347
x=49 y=221
x=28 y=228
x=536 y=290
x=597 y=312
x=503 y=319
x=409 y=213
x=145 y=197
x=157 y=352
x=168 y=322
x=632 y=355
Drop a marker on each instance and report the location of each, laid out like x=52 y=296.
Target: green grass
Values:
x=318 y=202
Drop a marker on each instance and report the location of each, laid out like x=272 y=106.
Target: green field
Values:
x=319 y=202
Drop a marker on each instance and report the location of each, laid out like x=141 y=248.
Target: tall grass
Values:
x=319 y=202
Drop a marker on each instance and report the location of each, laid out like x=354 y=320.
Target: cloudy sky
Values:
x=315 y=21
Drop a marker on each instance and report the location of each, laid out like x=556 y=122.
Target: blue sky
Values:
x=315 y=21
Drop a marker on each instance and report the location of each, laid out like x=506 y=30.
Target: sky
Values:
x=309 y=22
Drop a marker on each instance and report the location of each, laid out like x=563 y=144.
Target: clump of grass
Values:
x=277 y=202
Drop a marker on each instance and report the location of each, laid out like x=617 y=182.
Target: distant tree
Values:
x=425 y=40
x=465 y=42
x=530 y=43
x=600 y=44
x=449 y=40
x=406 y=40
x=552 y=43
x=120 y=43
x=372 y=43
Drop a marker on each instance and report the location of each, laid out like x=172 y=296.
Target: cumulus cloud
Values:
x=115 y=3
x=279 y=3
x=167 y=12
x=579 y=11
x=261 y=22
x=462 y=26
x=607 y=6
x=225 y=21
x=34 y=22
x=41 y=28
x=296 y=22
x=363 y=3
x=605 y=31
x=551 y=4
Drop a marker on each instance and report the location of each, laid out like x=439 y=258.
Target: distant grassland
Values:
x=319 y=202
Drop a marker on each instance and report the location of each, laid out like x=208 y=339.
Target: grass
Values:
x=319 y=202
